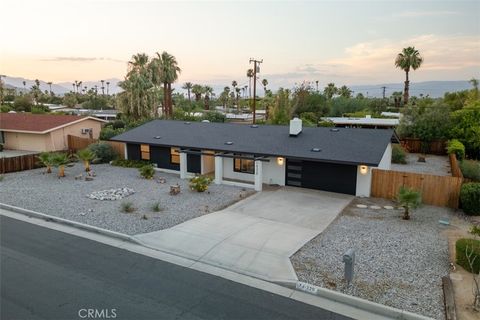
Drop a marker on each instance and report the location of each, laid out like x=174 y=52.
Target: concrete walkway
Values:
x=255 y=236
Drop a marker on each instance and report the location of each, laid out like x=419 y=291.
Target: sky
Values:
x=345 y=42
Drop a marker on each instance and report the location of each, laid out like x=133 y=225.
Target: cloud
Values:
x=81 y=59
x=416 y=14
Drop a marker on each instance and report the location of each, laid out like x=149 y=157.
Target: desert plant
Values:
x=86 y=155
x=59 y=160
x=456 y=147
x=127 y=163
x=408 y=199
x=470 y=169
x=104 y=152
x=470 y=198
x=1 y=178
x=472 y=247
x=46 y=159
x=156 y=207
x=127 y=207
x=200 y=183
x=398 y=154
x=147 y=171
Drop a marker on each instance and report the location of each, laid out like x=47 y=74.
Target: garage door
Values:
x=331 y=177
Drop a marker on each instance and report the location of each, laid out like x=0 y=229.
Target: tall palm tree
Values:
x=234 y=85
x=197 y=91
x=188 y=86
x=345 y=92
x=408 y=59
x=103 y=87
x=167 y=71
x=250 y=76
x=208 y=92
x=330 y=90
x=24 y=85
x=73 y=86
x=265 y=84
x=108 y=87
x=50 y=85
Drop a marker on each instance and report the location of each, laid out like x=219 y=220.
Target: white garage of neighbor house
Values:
x=330 y=159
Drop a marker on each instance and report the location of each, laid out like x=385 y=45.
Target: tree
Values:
x=408 y=199
x=166 y=71
x=330 y=90
x=108 y=87
x=50 y=86
x=59 y=161
x=197 y=91
x=345 y=92
x=69 y=100
x=466 y=128
x=47 y=160
x=250 y=76
x=208 y=92
x=234 y=85
x=188 y=86
x=265 y=84
x=408 y=59
x=86 y=155
x=282 y=108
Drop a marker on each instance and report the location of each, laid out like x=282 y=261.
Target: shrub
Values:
x=156 y=207
x=470 y=198
x=1 y=178
x=127 y=207
x=5 y=108
x=1 y=146
x=461 y=247
x=398 y=154
x=46 y=159
x=409 y=199
x=456 y=147
x=470 y=169
x=214 y=116
x=200 y=183
x=104 y=152
x=86 y=155
x=126 y=163
x=118 y=124
x=60 y=160
x=23 y=103
x=108 y=132
x=147 y=171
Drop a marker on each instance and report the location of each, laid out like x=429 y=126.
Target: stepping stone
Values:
x=388 y=207
x=375 y=207
x=362 y=206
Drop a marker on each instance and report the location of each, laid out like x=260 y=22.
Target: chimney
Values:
x=295 y=127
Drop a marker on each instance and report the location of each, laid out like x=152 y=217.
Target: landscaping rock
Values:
x=375 y=207
x=112 y=194
x=79 y=177
x=88 y=178
x=388 y=207
x=362 y=206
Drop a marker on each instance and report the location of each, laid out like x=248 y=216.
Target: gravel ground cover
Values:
x=68 y=197
x=436 y=165
x=398 y=263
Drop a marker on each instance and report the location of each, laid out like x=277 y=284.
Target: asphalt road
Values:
x=46 y=274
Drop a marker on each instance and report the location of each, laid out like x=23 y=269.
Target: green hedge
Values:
x=461 y=247
x=130 y=163
x=398 y=154
x=470 y=198
x=456 y=147
x=470 y=169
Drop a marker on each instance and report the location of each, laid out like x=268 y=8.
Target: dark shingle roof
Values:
x=347 y=145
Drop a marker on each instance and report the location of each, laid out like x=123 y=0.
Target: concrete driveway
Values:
x=255 y=236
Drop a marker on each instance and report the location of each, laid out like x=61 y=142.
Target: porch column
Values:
x=125 y=151
x=258 y=175
x=218 y=170
x=183 y=165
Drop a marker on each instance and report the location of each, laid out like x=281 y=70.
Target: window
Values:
x=145 y=151
x=243 y=165
x=174 y=156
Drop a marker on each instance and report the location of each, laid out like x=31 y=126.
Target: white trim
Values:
x=56 y=128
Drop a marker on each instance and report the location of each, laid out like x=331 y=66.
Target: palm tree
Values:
x=59 y=160
x=250 y=76
x=265 y=84
x=408 y=199
x=208 y=91
x=79 y=85
x=73 y=86
x=330 y=90
x=166 y=71
x=408 y=59
x=47 y=160
x=103 y=87
x=86 y=155
x=197 y=90
x=24 y=85
x=188 y=86
x=108 y=87
x=345 y=92
x=50 y=85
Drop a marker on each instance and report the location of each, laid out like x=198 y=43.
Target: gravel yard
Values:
x=68 y=198
x=436 y=165
x=398 y=263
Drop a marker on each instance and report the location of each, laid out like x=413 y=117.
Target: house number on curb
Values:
x=306 y=287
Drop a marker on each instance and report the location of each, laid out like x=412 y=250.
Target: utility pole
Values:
x=256 y=67
x=384 y=91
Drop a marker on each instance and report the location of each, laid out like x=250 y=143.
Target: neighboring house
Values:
x=331 y=159
x=367 y=122
x=39 y=132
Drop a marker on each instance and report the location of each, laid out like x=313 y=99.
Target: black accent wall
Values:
x=161 y=156
x=133 y=151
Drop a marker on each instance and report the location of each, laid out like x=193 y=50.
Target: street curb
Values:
x=356 y=302
x=71 y=223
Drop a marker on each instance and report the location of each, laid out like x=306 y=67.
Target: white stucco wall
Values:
x=364 y=181
x=272 y=172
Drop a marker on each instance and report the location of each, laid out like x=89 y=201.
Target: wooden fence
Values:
x=441 y=191
x=77 y=143
x=20 y=163
x=455 y=168
x=415 y=146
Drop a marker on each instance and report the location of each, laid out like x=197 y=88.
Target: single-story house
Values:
x=45 y=132
x=367 y=122
x=330 y=159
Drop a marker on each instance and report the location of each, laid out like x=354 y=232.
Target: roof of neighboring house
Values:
x=342 y=145
x=37 y=123
x=364 y=121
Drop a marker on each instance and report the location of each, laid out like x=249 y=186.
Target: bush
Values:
x=129 y=163
x=200 y=183
x=214 y=116
x=104 y=152
x=118 y=124
x=23 y=103
x=461 y=254
x=147 y=171
x=409 y=199
x=127 y=207
x=470 y=169
x=1 y=146
x=5 y=108
x=398 y=154
x=156 y=207
x=108 y=132
x=470 y=198
x=456 y=147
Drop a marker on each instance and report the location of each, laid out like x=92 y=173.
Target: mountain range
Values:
x=434 y=89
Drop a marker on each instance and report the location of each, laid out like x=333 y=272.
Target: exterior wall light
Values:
x=363 y=169
x=280 y=161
